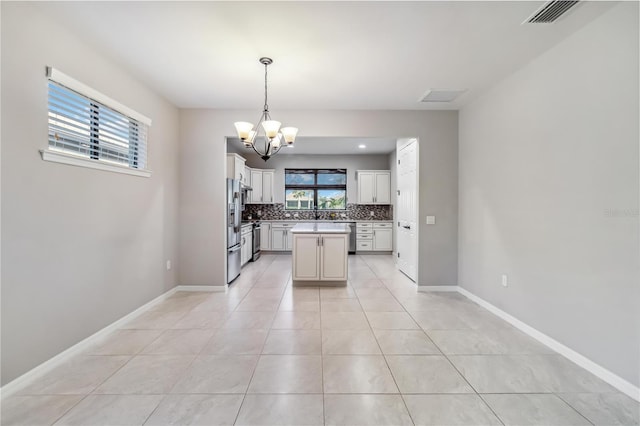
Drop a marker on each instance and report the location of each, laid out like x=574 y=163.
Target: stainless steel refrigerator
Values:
x=234 y=218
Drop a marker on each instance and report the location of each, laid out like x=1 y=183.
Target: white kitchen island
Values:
x=320 y=253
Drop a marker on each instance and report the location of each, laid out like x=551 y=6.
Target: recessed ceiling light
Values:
x=362 y=146
x=289 y=146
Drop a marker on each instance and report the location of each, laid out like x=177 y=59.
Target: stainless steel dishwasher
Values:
x=352 y=238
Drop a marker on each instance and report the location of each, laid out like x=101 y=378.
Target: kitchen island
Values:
x=320 y=253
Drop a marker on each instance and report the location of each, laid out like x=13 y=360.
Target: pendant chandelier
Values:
x=267 y=138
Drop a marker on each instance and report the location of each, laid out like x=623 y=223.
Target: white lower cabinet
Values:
x=246 y=244
x=383 y=239
x=265 y=236
x=376 y=236
x=320 y=257
x=306 y=257
x=281 y=236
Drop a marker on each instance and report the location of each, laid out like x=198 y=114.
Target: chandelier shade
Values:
x=266 y=137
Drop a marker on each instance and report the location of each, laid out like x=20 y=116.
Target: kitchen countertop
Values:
x=325 y=221
x=320 y=228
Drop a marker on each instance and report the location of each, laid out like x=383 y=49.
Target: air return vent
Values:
x=440 y=95
x=550 y=12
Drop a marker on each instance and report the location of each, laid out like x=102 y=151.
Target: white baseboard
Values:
x=38 y=371
x=613 y=379
x=428 y=288
x=212 y=288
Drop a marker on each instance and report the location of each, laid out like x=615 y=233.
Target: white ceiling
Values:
x=327 y=55
x=324 y=145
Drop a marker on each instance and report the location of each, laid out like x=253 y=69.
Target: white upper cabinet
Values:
x=374 y=186
x=235 y=167
x=267 y=186
x=262 y=185
x=246 y=178
x=256 y=185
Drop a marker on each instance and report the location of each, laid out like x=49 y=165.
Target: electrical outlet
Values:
x=431 y=220
x=168 y=265
x=505 y=281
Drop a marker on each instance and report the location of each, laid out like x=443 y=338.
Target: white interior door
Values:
x=407 y=224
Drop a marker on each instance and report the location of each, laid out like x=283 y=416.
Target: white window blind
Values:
x=87 y=124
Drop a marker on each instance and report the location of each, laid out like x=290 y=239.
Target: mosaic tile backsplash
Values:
x=353 y=212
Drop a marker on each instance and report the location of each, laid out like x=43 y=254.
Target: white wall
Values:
x=291 y=161
x=203 y=154
x=80 y=247
x=546 y=156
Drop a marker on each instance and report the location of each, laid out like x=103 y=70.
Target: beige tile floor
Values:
x=376 y=352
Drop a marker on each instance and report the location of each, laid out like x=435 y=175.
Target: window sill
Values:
x=74 y=160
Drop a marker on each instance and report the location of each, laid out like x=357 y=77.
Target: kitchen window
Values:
x=87 y=128
x=308 y=189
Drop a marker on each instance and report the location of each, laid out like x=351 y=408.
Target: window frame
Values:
x=96 y=159
x=315 y=187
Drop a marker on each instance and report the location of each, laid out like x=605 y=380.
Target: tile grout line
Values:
x=192 y=361
x=557 y=395
x=444 y=355
x=244 y=395
x=404 y=402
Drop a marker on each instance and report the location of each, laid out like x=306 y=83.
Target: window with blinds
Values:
x=81 y=125
x=315 y=189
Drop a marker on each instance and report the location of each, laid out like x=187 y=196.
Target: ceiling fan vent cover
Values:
x=551 y=11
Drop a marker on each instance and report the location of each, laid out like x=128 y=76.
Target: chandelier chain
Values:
x=266 y=105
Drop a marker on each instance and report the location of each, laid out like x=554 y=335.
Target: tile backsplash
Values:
x=353 y=212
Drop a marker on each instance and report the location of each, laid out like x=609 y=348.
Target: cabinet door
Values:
x=305 y=257
x=383 y=188
x=333 y=258
x=383 y=239
x=249 y=239
x=256 y=184
x=288 y=240
x=277 y=239
x=267 y=186
x=265 y=236
x=247 y=176
x=238 y=169
x=366 y=187
x=243 y=250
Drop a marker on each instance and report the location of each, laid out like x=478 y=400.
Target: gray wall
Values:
x=80 y=247
x=549 y=193
x=202 y=174
x=292 y=161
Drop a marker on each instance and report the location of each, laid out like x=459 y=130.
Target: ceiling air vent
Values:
x=441 y=95
x=550 y=12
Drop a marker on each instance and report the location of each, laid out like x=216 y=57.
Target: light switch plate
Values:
x=431 y=220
